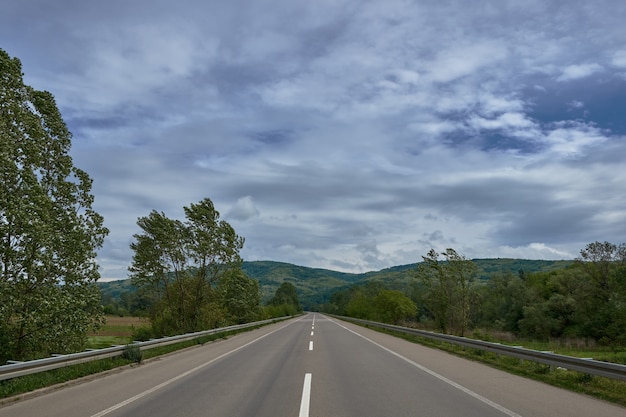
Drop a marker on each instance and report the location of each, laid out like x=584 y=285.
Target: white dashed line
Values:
x=306 y=396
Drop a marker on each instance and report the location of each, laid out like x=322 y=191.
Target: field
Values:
x=116 y=331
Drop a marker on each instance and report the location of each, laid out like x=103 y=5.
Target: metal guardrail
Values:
x=588 y=366
x=16 y=369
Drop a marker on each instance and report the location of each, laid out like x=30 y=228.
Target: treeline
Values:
x=188 y=274
x=584 y=300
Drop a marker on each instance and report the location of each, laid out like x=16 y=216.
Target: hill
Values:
x=315 y=285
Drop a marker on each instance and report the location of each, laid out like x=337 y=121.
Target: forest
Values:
x=586 y=299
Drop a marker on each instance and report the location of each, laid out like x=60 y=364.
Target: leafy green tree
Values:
x=285 y=301
x=450 y=295
x=599 y=260
x=605 y=266
x=49 y=232
x=286 y=294
x=393 y=306
x=240 y=297
x=502 y=301
x=179 y=265
x=360 y=305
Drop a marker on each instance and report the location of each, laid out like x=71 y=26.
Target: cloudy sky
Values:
x=344 y=134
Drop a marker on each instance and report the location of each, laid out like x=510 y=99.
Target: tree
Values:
x=240 y=297
x=449 y=284
x=285 y=301
x=179 y=264
x=502 y=302
x=393 y=306
x=49 y=232
x=605 y=266
x=599 y=260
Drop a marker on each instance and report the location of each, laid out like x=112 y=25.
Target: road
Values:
x=310 y=366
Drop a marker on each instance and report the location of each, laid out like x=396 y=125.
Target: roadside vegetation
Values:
x=583 y=305
x=579 y=310
x=116 y=330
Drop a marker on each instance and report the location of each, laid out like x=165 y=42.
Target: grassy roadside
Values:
x=13 y=389
x=596 y=386
x=116 y=331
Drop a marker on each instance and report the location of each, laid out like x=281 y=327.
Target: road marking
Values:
x=184 y=374
x=312 y=333
x=306 y=396
x=311 y=345
x=460 y=387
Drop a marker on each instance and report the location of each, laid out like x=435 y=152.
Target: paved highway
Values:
x=310 y=366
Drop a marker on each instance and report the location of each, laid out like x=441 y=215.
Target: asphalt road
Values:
x=309 y=366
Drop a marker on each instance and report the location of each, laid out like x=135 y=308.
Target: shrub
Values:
x=133 y=353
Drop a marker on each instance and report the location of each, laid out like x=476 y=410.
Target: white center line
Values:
x=312 y=333
x=311 y=345
x=306 y=396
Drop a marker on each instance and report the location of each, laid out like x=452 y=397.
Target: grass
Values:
x=116 y=331
x=596 y=386
x=576 y=347
x=16 y=386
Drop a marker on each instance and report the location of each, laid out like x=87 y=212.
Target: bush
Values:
x=133 y=353
x=143 y=333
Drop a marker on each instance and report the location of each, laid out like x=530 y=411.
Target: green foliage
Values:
x=132 y=353
x=271 y=311
x=240 y=297
x=286 y=294
x=372 y=301
x=392 y=306
x=502 y=300
x=178 y=266
x=121 y=298
x=49 y=232
x=316 y=286
x=450 y=296
x=285 y=302
x=143 y=333
x=586 y=299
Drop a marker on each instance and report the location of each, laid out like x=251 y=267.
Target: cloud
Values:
x=574 y=72
x=244 y=209
x=619 y=59
x=358 y=136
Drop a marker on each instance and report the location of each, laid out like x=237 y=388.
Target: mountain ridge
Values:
x=315 y=285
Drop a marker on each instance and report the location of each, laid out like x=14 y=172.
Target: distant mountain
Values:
x=315 y=285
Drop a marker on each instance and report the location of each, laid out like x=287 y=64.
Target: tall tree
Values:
x=605 y=265
x=449 y=284
x=49 y=232
x=180 y=265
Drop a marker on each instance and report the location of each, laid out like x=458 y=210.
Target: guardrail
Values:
x=588 y=366
x=16 y=369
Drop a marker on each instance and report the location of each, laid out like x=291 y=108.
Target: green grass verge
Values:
x=100 y=342
x=596 y=386
x=28 y=383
